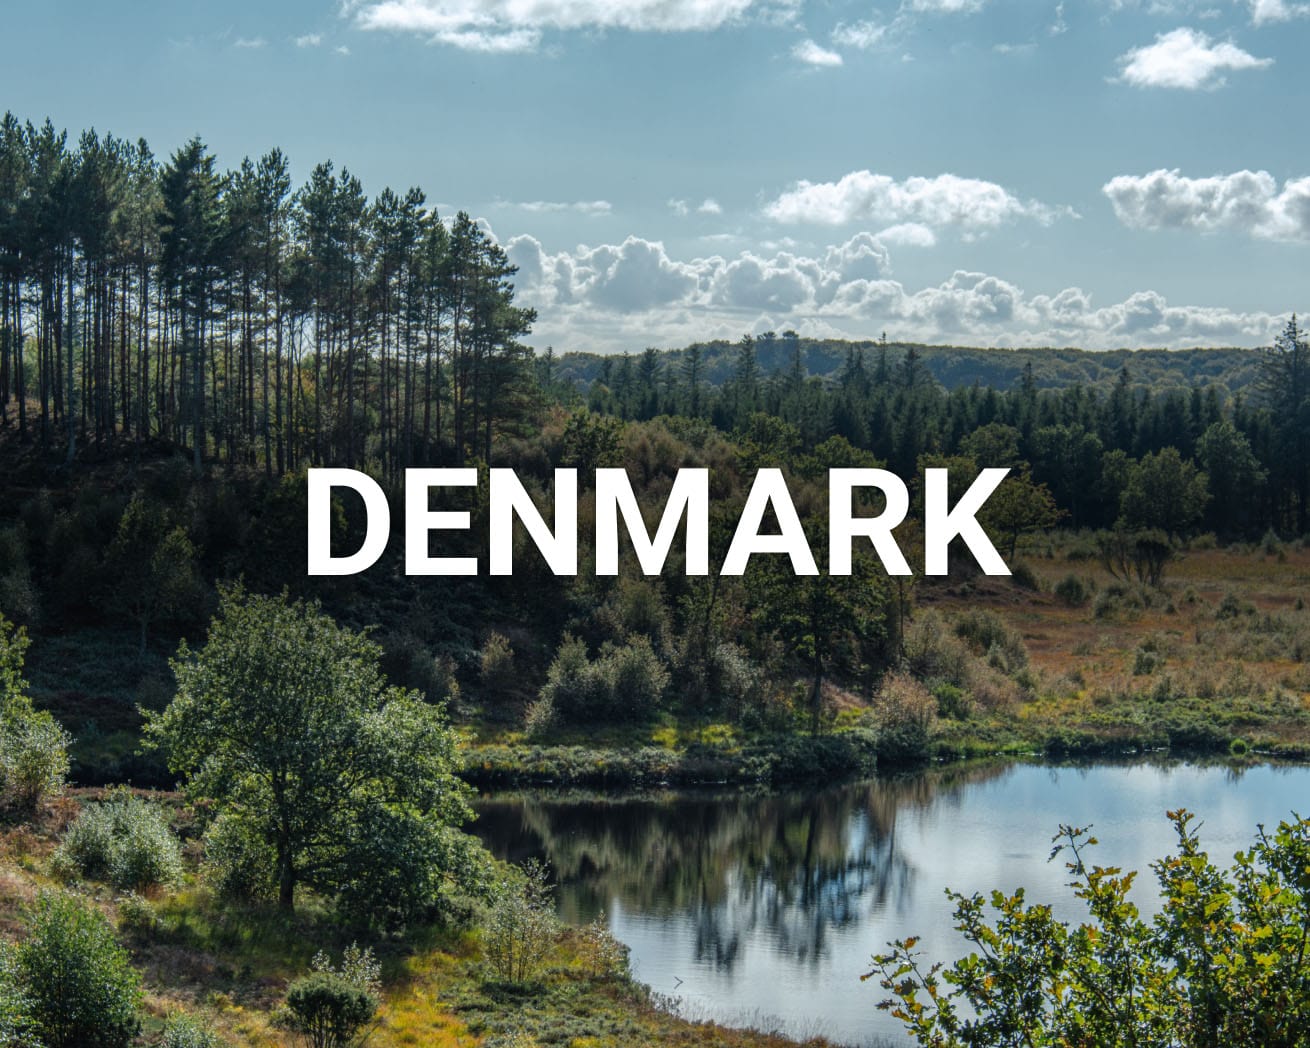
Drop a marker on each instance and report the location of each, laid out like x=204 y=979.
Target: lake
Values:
x=763 y=909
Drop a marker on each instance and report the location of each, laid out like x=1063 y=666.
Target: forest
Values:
x=211 y=759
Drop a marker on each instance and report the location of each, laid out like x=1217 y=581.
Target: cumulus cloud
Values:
x=709 y=206
x=908 y=234
x=1247 y=202
x=309 y=40
x=1186 y=59
x=1265 y=11
x=810 y=53
x=517 y=25
x=969 y=204
x=632 y=294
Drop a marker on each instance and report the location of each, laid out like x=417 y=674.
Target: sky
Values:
x=1097 y=173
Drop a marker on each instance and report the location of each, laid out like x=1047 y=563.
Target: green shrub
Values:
x=125 y=841
x=497 y=663
x=604 y=956
x=16 y=1023
x=239 y=863
x=1072 y=590
x=1023 y=576
x=625 y=681
x=33 y=747
x=187 y=1031
x=334 y=1007
x=952 y=702
x=521 y=925
x=83 y=991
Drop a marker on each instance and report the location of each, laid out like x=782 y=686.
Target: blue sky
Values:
x=1002 y=172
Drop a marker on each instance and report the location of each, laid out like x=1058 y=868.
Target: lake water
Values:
x=763 y=909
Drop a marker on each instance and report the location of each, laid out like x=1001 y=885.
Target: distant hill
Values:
x=954 y=366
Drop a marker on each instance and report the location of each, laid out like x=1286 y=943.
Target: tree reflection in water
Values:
x=794 y=865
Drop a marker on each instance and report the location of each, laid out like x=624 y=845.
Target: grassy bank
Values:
x=231 y=966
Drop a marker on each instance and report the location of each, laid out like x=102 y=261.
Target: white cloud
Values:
x=343 y=51
x=908 y=234
x=947 y=6
x=249 y=43
x=859 y=35
x=810 y=53
x=969 y=204
x=579 y=207
x=517 y=25
x=1247 y=202
x=709 y=206
x=1185 y=59
x=1266 y=11
x=309 y=40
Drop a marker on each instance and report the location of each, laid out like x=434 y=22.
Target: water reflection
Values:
x=770 y=904
x=792 y=865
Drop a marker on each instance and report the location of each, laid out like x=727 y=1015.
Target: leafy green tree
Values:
x=82 y=990
x=285 y=721
x=1224 y=962
x=1163 y=491
x=1017 y=507
x=1235 y=475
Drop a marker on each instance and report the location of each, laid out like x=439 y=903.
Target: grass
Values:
x=232 y=965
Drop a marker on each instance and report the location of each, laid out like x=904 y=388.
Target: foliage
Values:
x=333 y=1007
x=125 y=840
x=284 y=720
x=521 y=926
x=624 y=682
x=1224 y=963
x=186 y=1031
x=16 y=1023
x=33 y=747
x=83 y=991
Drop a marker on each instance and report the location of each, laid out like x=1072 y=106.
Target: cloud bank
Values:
x=1245 y=202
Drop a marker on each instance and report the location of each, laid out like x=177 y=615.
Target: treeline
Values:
x=1083 y=443
x=1232 y=370
x=228 y=314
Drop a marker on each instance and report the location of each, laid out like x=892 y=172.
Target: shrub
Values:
x=16 y=1024
x=33 y=759
x=497 y=663
x=1072 y=590
x=186 y=1031
x=604 y=956
x=521 y=925
x=137 y=914
x=83 y=991
x=906 y=713
x=333 y=1007
x=239 y=863
x=987 y=634
x=125 y=841
x=1023 y=576
x=952 y=702
x=625 y=681
x=933 y=653
x=539 y=717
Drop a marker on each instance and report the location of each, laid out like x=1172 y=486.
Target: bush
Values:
x=604 y=956
x=1222 y=962
x=1023 y=576
x=906 y=714
x=987 y=634
x=497 y=663
x=33 y=747
x=1072 y=590
x=933 y=653
x=239 y=863
x=16 y=1026
x=625 y=681
x=125 y=841
x=83 y=991
x=521 y=925
x=186 y=1031
x=33 y=759
x=333 y=1007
